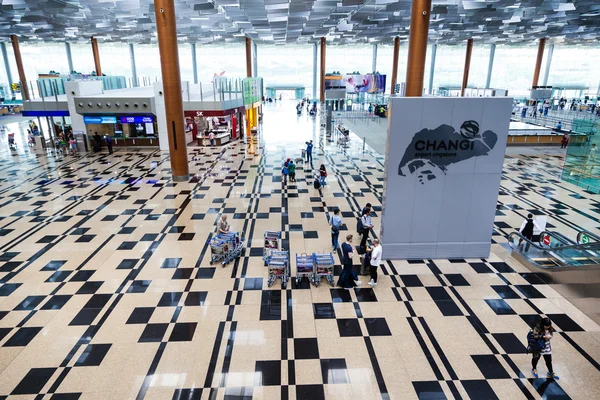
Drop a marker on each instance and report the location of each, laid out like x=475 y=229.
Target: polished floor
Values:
x=106 y=290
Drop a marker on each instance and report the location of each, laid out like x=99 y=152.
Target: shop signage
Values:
x=137 y=119
x=99 y=120
x=442 y=176
x=213 y=113
x=46 y=113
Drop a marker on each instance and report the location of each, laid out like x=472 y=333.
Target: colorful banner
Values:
x=370 y=83
x=253 y=90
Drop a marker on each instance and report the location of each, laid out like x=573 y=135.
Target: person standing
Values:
x=285 y=171
x=527 y=228
x=109 y=143
x=565 y=140
x=366 y=227
x=222 y=225
x=348 y=278
x=559 y=126
x=322 y=175
x=336 y=223
x=591 y=158
x=309 y=148
x=211 y=137
x=542 y=332
x=375 y=261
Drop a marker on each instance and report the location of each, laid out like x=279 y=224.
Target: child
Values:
x=73 y=146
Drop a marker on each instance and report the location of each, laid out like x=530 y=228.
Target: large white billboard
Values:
x=443 y=168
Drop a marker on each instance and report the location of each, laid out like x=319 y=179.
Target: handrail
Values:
x=572 y=246
x=589 y=234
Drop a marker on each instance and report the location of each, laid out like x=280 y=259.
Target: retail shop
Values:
x=226 y=125
x=126 y=130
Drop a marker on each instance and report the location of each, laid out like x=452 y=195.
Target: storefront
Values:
x=226 y=125
x=126 y=130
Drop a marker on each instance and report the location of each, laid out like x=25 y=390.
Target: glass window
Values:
x=229 y=59
x=185 y=62
x=83 y=59
x=385 y=58
x=115 y=59
x=147 y=62
x=349 y=58
x=513 y=68
x=449 y=66
x=480 y=60
x=574 y=66
x=288 y=64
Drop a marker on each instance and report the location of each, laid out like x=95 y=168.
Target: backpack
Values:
x=534 y=345
x=334 y=228
x=528 y=229
x=359 y=226
x=317 y=184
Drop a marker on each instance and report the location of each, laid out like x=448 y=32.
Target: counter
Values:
x=221 y=137
x=129 y=142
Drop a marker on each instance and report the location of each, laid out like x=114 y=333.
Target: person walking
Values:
x=541 y=346
x=109 y=143
x=365 y=220
x=348 y=279
x=527 y=228
x=285 y=171
x=375 y=261
x=292 y=171
x=309 y=148
x=565 y=140
x=336 y=223
x=323 y=175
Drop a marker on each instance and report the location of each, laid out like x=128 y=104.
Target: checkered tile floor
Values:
x=106 y=290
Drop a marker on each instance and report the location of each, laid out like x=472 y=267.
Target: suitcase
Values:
x=317 y=184
x=365 y=264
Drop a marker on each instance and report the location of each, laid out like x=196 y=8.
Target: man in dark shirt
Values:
x=309 y=147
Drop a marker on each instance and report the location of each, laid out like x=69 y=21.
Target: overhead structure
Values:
x=19 y=61
x=465 y=81
x=538 y=62
x=171 y=80
x=417 y=47
x=268 y=21
x=322 y=70
x=248 y=57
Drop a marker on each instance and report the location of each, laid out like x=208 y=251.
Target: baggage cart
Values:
x=272 y=242
x=323 y=268
x=226 y=247
x=304 y=267
x=278 y=265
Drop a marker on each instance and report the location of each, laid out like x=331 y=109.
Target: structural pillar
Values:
x=374 y=69
x=323 y=51
x=538 y=62
x=548 y=64
x=169 y=64
x=395 y=64
x=96 y=56
x=6 y=65
x=255 y=60
x=19 y=60
x=417 y=47
x=488 y=81
x=194 y=63
x=465 y=81
x=69 y=57
x=133 y=68
x=432 y=68
x=249 y=57
x=314 y=91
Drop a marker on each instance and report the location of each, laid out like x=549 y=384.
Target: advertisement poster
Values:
x=370 y=83
x=442 y=176
x=252 y=90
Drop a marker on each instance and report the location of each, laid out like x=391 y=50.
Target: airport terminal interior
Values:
x=172 y=174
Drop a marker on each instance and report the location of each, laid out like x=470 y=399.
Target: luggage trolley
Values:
x=226 y=247
x=323 y=268
x=278 y=264
x=304 y=267
x=272 y=242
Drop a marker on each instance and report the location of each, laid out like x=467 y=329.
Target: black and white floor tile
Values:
x=106 y=290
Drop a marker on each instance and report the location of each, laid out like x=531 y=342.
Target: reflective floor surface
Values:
x=106 y=290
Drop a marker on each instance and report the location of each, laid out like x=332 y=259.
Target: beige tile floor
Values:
x=104 y=296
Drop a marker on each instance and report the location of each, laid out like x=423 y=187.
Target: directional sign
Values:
x=585 y=239
x=547 y=240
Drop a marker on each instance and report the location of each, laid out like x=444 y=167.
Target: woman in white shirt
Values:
x=375 y=261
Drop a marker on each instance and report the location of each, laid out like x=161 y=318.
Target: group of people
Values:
x=372 y=254
x=289 y=169
x=99 y=141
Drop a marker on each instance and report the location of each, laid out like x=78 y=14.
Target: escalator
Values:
x=556 y=252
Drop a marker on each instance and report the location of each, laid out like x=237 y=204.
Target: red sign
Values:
x=547 y=240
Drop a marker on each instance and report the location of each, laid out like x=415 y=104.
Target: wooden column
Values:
x=417 y=47
x=96 y=56
x=395 y=63
x=467 y=67
x=169 y=64
x=322 y=70
x=19 y=60
x=538 y=62
x=249 y=57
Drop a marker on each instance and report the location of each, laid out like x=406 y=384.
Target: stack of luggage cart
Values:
x=276 y=259
x=323 y=268
x=226 y=247
x=304 y=267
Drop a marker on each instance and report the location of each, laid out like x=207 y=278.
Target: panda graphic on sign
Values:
x=431 y=151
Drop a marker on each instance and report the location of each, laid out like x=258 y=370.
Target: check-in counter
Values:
x=128 y=142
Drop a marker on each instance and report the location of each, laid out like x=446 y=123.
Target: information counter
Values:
x=127 y=142
x=222 y=136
